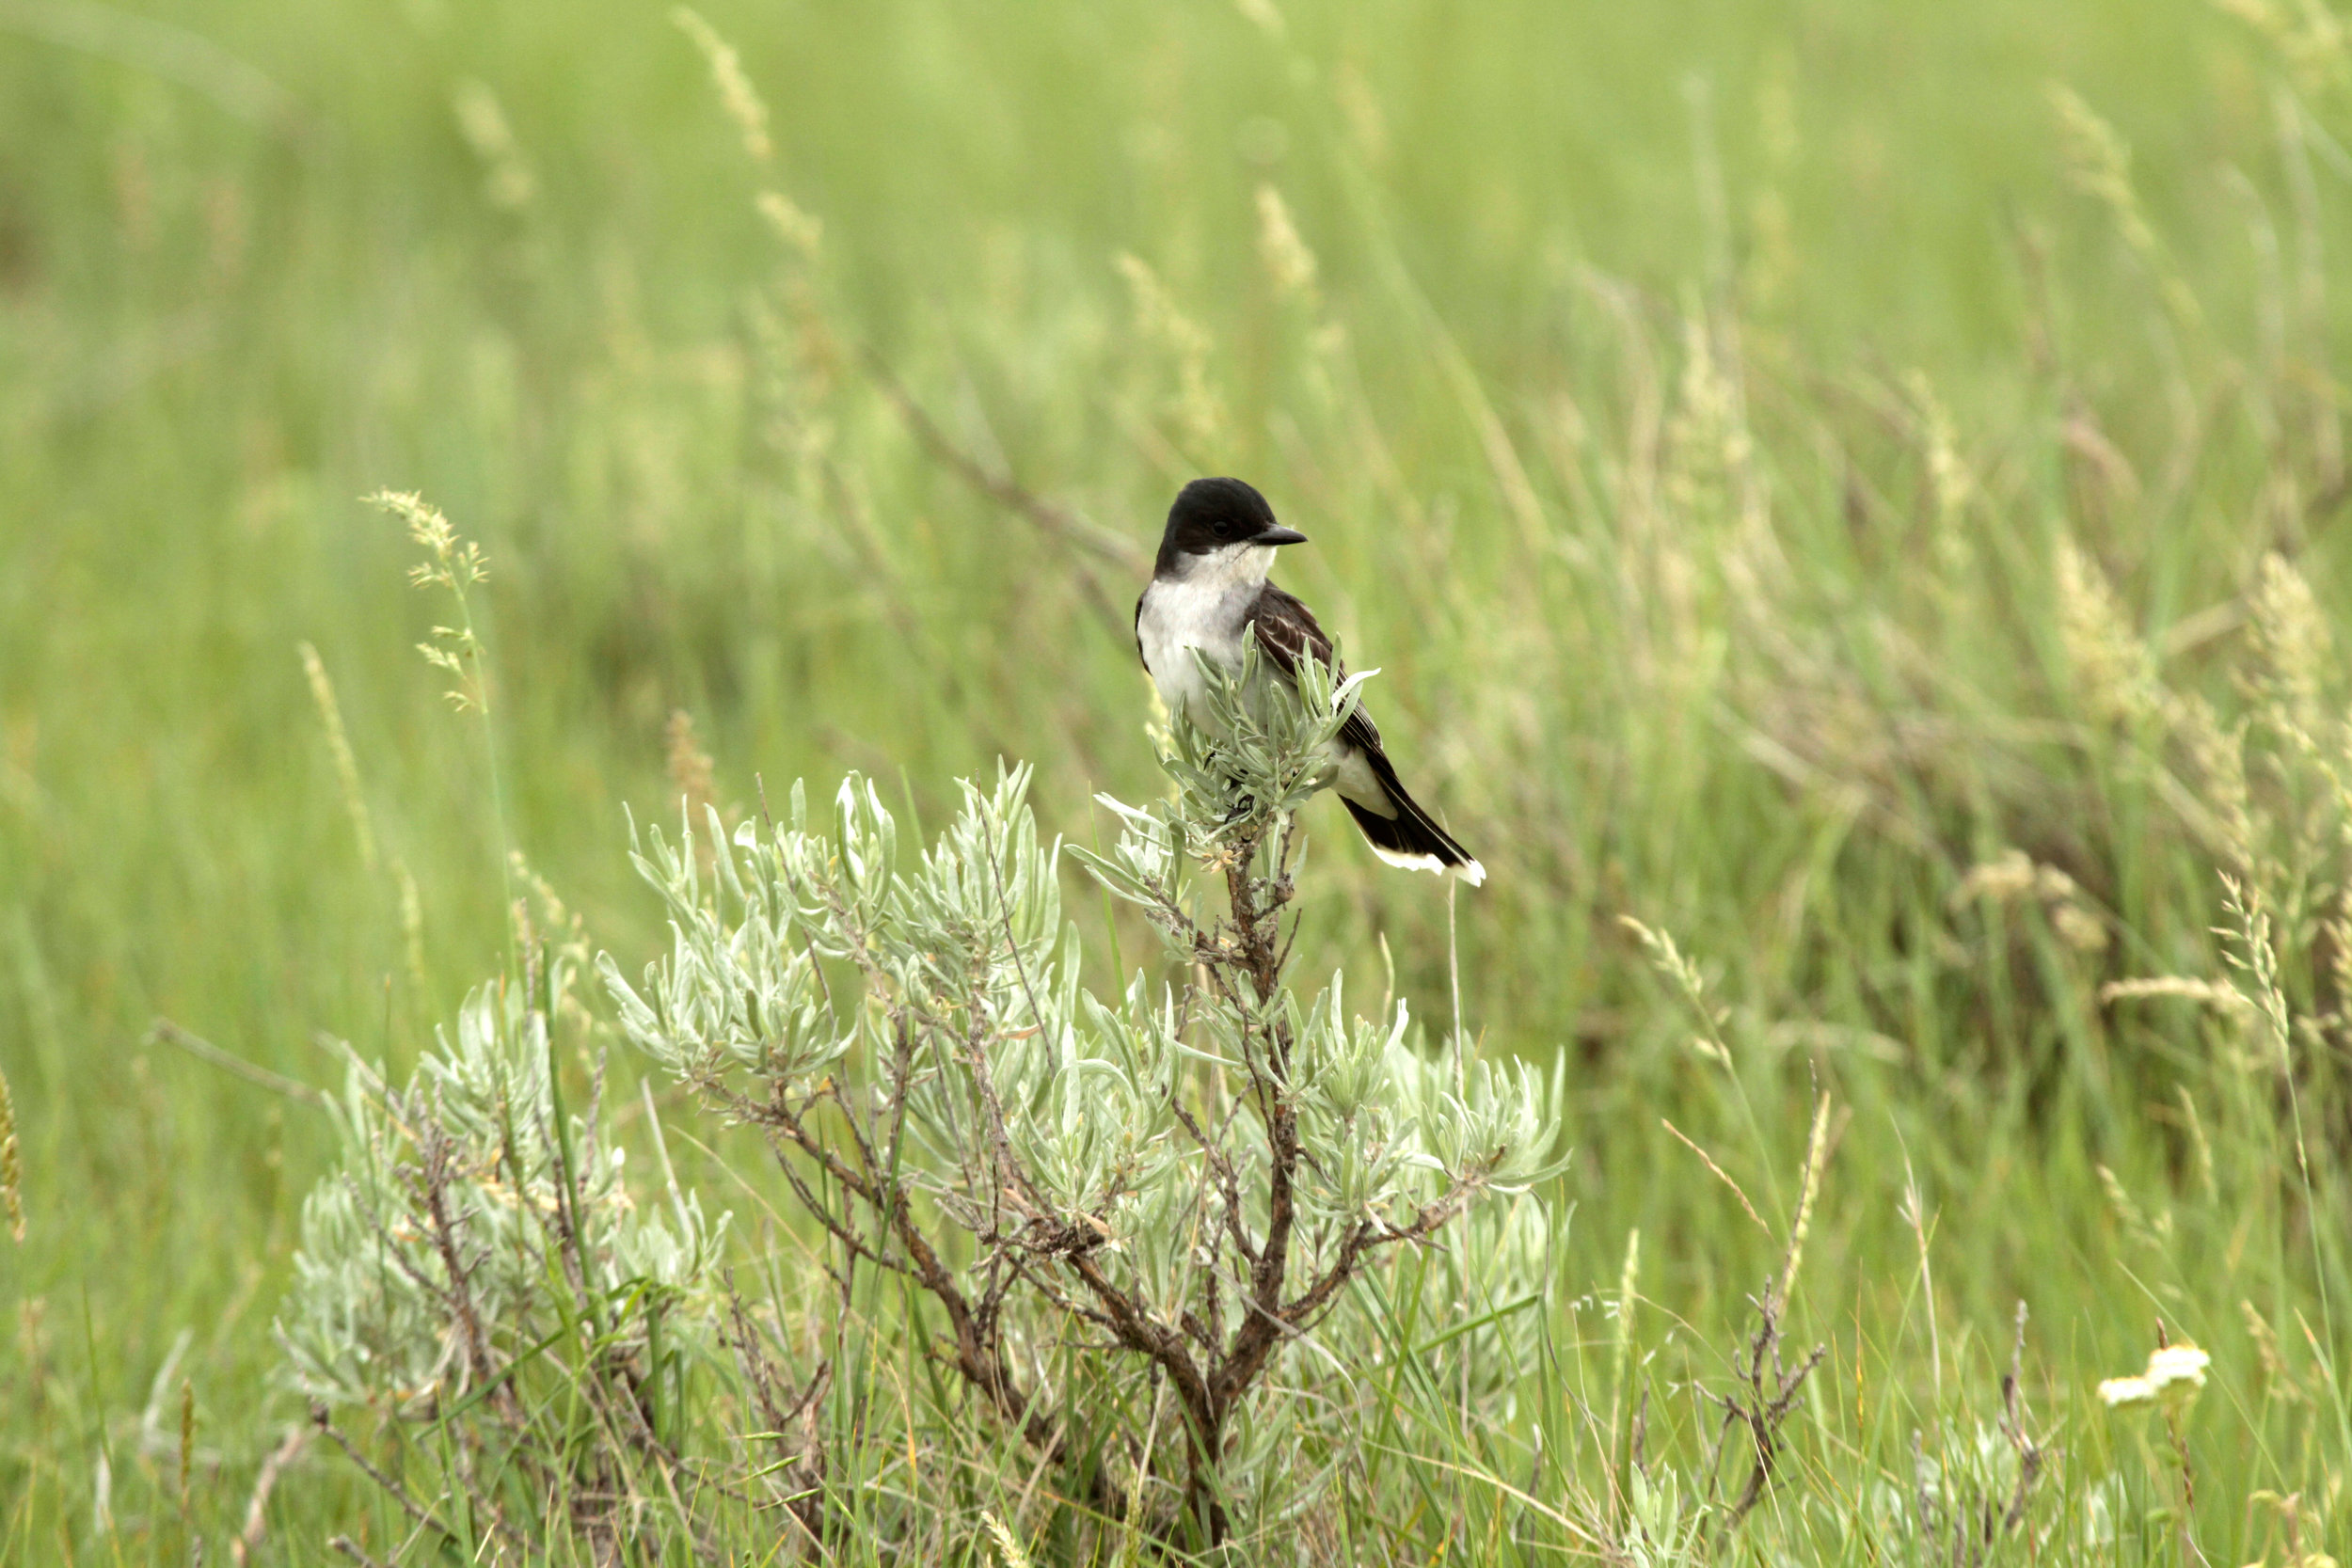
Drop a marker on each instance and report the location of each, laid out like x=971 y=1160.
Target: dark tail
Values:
x=1410 y=838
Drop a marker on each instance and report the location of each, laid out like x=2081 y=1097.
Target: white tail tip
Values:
x=1469 y=871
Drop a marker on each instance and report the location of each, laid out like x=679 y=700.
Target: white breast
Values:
x=1176 y=622
x=1202 y=610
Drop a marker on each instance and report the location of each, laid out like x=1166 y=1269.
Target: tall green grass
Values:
x=1783 y=466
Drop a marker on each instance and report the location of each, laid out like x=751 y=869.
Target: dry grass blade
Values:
x=256 y=1526
x=165 y=1031
x=1721 y=1175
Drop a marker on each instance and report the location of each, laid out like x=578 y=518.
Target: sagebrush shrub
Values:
x=1186 y=1176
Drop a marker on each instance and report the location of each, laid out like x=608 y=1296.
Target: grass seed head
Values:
x=1198 y=409
x=692 y=773
x=339 y=744
x=797 y=228
x=508 y=181
x=1009 y=1547
x=2115 y=675
x=737 y=95
x=1287 y=259
x=2293 y=647
x=11 y=1169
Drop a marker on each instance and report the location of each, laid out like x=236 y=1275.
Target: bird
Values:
x=1209 y=594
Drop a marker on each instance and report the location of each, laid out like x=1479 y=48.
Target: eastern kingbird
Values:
x=1209 y=592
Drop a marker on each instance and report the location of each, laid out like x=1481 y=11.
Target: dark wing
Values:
x=1140 y=658
x=1287 y=632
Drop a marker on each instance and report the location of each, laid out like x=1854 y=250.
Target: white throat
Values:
x=1226 y=566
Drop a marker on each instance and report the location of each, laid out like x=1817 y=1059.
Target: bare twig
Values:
x=1229 y=1185
x=391 y=1488
x=1057 y=522
x=1769 y=1398
x=350 y=1548
x=433 y=1144
x=801 y=1462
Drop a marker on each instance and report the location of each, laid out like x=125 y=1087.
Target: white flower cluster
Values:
x=2174 y=1373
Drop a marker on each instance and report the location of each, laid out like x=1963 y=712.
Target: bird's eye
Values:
x=1224 y=527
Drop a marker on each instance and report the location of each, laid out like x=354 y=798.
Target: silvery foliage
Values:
x=470 y=1219
x=1111 y=1161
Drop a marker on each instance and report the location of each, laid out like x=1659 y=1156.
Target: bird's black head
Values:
x=1214 y=514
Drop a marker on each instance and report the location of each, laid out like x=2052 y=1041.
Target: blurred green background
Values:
x=1614 y=410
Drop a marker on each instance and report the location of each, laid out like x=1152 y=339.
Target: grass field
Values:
x=1854 y=488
